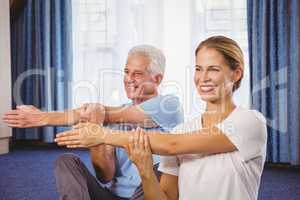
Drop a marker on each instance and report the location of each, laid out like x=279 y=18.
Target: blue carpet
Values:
x=27 y=174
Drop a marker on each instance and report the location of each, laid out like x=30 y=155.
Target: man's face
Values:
x=138 y=81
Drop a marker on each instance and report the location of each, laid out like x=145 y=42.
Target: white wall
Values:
x=5 y=73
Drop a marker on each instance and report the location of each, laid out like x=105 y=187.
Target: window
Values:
x=103 y=33
x=228 y=18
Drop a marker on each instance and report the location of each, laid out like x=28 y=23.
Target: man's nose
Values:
x=129 y=78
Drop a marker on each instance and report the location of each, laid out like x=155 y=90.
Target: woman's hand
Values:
x=139 y=152
x=92 y=112
x=83 y=135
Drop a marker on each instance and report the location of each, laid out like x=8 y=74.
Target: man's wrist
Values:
x=45 y=119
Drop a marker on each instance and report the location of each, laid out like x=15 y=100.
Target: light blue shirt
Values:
x=166 y=112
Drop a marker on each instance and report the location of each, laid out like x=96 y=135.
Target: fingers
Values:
x=70 y=143
x=75 y=146
x=66 y=133
x=95 y=113
x=67 y=138
x=141 y=139
x=14 y=125
x=11 y=122
x=12 y=112
x=136 y=141
x=136 y=135
x=130 y=144
x=13 y=117
x=147 y=144
x=83 y=113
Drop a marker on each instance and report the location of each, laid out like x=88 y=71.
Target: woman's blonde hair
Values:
x=229 y=49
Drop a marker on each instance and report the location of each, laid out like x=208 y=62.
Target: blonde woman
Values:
x=219 y=155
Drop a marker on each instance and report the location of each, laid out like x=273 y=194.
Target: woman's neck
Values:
x=224 y=107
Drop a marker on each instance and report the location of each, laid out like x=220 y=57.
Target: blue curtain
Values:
x=41 y=43
x=274 y=53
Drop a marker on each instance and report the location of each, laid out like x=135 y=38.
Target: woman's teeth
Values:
x=206 y=88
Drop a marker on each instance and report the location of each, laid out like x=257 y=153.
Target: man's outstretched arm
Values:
x=128 y=114
x=26 y=116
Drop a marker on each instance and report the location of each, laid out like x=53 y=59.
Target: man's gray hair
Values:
x=156 y=57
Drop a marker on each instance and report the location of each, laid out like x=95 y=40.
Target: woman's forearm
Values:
x=160 y=143
x=173 y=144
x=152 y=189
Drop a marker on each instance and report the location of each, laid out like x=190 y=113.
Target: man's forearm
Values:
x=103 y=160
x=128 y=114
x=63 y=118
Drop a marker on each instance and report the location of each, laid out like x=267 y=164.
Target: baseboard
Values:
x=4 y=145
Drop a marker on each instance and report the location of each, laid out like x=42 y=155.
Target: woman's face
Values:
x=213 y=77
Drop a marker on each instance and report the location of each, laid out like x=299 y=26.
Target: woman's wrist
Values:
x=115 y=137
x=147 y=174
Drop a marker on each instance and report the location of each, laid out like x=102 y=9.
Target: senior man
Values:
x=116 y=176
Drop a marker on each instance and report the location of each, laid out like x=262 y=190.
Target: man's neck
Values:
x=145 y=98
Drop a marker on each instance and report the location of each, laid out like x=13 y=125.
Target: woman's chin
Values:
x=209 y=97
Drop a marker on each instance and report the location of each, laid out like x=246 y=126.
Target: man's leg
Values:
x=75 y=182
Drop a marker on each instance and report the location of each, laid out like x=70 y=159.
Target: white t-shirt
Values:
x=225 y=176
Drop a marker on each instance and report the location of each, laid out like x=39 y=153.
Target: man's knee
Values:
x=66 y=160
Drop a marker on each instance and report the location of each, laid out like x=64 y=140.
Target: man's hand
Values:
x=84 y=135
x=25 y=116
x=92 y=112
x=139 y=152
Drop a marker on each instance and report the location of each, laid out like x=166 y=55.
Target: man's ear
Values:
x=158 y=78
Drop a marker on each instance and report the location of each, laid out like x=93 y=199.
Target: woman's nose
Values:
x=205 y=76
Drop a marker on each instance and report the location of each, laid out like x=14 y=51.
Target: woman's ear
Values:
x=238 y=74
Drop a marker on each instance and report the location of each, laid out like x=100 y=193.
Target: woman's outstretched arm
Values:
x=202 y=141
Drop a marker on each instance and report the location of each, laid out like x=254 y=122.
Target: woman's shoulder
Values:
x=246 y=115
x=188 y=126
